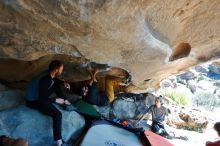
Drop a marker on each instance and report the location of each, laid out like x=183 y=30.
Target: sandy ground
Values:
x=195 y=138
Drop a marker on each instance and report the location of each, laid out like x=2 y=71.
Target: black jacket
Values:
x=48 y=86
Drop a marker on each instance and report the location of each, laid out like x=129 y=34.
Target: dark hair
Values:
x=55 y=64
x=217 y=127
x=160 y=99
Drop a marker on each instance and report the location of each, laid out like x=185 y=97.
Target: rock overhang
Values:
x=149 y=39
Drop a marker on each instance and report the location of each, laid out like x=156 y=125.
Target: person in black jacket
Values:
x=91 y=93
x=49 y=84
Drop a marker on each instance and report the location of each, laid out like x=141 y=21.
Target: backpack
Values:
x=32 y=89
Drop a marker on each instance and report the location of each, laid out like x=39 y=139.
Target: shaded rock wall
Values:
x=136 y=35
x=10 y=98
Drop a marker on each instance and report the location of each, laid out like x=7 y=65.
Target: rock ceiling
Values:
x=151 y=39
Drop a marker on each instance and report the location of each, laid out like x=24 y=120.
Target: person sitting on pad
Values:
x=49 y=84
x=158 y=112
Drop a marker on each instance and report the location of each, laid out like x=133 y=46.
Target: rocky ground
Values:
x=200 y=86
x=196 y=138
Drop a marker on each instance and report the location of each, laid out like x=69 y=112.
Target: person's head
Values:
x=217 y=128
x=84 y=91
x=56 y=67
x=158 y=102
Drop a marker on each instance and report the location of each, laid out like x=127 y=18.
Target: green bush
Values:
x=205 y=99
x=197 y=129
x=178 y=97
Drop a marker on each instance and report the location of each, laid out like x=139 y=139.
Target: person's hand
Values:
x=67 y=85
x=59 y=101
x=67 y=102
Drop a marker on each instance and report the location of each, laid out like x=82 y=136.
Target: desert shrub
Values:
x=205 y=99
x=197 y=129
x=178 y=97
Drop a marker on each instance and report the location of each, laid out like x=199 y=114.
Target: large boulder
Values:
x=2 y=87
x=132 y=106
x=214 y=72
x=129 y=105
x=201 y=69
x=169 y=83
x=23 y=122
x=214 y=69
x=188 y=75
x=10 y=98
x=192 y=85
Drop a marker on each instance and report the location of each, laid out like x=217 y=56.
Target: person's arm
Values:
x=146 y=115
x=58 y=81
x=92 y=74
x=62 y=99
x=148 y=112
x=59 y=92
x=61 y=82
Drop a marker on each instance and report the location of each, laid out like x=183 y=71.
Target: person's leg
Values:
x=111 y=112
x=103 y=100
x=52 y=111
x=155 y=127
x=109 y=89
x=161 y=125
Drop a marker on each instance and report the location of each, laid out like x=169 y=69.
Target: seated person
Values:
x=217 y=129
x=49 y=84
x=32 y=93
x=158 y=113
x=39 y=92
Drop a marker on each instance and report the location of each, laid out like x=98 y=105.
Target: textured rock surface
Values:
x=129 y=106
x=36 y=127
x=10 y=98
x=136 y=35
